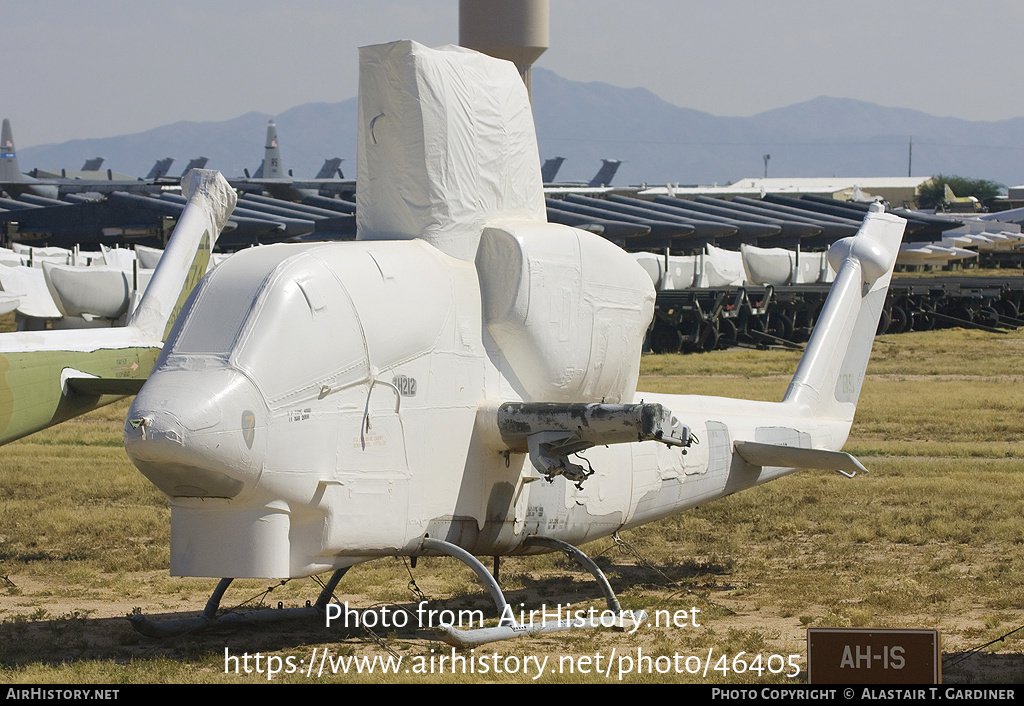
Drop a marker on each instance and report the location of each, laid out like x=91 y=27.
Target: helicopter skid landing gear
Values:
x=209 y=618
x=508 y=627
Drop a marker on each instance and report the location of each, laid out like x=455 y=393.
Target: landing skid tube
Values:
x=507 y=626
x=209 y=618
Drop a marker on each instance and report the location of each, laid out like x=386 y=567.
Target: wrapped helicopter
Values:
x=431 y=387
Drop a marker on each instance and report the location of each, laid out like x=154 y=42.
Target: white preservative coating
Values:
x=462 y=378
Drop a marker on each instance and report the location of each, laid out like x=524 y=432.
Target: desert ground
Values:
x=931 y=537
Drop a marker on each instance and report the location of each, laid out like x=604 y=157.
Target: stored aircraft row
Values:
x=15 y=183
x=271 y=176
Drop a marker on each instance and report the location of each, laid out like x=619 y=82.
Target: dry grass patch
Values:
x=931 y=537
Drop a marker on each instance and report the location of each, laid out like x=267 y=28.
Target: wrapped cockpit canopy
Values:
x=439 y=155
x=300 y=320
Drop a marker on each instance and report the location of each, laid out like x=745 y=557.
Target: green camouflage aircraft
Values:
x=48 y=377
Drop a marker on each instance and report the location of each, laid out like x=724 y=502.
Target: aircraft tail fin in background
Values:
x=8 y=156
x=210 y=202
x=197 y=163
x=828 y=379
x=606 y=173
x=963 y=203
x=331 y=169
x=550 y=169
x=272 y=168
x=11 y=179
x=161 y=168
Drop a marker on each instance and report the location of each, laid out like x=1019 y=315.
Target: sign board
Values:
x=873 y=656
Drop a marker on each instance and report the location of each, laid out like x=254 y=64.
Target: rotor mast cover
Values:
x=440 y=155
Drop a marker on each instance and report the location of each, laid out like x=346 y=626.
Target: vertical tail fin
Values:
x=11 y=179
x=8 y=155
x=550 y=169
x=210 y=202
x=331 y=168
x=197 y=163
x=161 y=168
x=272 y=168
x=828 y=380
x=606 y=173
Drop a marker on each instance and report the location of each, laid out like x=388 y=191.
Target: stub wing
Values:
x=760 y=454
x=552 y=431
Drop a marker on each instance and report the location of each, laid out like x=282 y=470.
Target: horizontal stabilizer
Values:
x=75 y=381
x=758 y=454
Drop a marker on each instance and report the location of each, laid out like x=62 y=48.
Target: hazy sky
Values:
x=97 y=68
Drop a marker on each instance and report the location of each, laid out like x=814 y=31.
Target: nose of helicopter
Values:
x=197 y=433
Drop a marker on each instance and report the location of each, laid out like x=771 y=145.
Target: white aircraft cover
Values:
x=35 y=299
x=813 y=267
x=121 y=258
x=653 y=265
x=768 y=265
x=480 y=163
x=722 y=268
x=97 y=291
x=55 y=253
x=8 y=302
x=10 y=258
x=682 y=269
x=148 y=257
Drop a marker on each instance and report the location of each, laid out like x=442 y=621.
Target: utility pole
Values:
x=910 y=156
x=766 y=158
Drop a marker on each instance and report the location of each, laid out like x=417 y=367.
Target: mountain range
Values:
x=586 y=121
